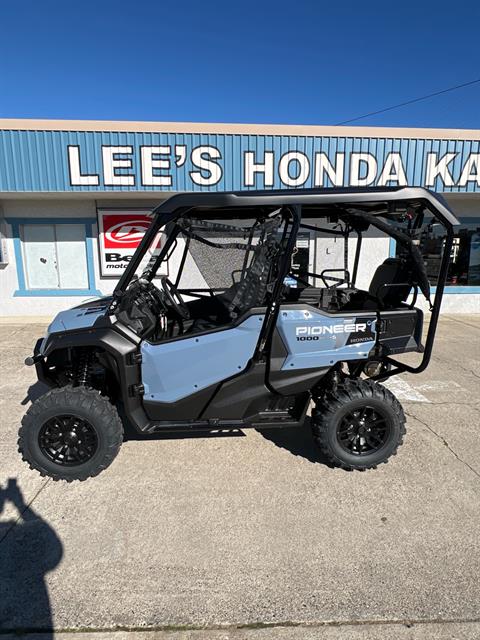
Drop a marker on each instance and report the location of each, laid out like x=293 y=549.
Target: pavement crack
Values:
x=475 y=407
x=435 y=403
x=450 y=363
x=465 y=324
x=27 y=506
x=444 y=442
x=314 y=624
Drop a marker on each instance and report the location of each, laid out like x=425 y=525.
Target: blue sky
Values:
x=246 y=61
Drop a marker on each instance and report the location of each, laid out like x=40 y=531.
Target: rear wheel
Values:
x=71 y=433
x=358 y=425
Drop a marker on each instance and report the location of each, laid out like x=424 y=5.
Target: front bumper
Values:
x=38 y=360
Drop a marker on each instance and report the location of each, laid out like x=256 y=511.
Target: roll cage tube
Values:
x=164 y=254
x=401 y=367
x=284 y=268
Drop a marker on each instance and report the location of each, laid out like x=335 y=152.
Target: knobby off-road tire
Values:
x=70 y=433
x=358 y=425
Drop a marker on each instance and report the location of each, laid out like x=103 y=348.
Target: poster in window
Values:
x=474 y=261
x=119 y=234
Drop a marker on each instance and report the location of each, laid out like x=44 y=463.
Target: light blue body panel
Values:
x=175 y=370
x=76 y=318
x=314 y=339
x=72 y=319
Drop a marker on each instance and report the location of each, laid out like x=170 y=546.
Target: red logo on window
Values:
x=124 y=231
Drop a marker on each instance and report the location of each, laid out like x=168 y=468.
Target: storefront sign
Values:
x=106 y=161
x=119 y=234
x=158 y=164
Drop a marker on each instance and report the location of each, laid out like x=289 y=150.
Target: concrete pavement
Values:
x=254 y=528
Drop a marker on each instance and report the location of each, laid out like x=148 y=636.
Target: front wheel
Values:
x=358 y=425
x=70 y=433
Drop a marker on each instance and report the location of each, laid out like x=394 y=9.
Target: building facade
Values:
x=75 y=195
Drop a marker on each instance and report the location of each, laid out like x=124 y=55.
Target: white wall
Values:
x=454 y=303
x=330 y=255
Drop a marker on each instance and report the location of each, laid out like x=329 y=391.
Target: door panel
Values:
x=40 y=256
x=177 y=369
x=72 y=256
x=55 y=256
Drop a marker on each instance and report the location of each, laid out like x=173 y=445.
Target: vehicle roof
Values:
x=350 y=196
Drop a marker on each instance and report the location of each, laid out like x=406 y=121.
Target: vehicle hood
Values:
x=81 y=317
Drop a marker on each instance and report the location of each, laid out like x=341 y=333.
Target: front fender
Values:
x=117 y=341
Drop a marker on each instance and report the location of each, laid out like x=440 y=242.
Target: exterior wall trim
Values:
x=24 y=124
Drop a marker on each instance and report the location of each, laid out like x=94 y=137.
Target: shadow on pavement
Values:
x=34 y=392
x=298 y=441
x=29 y=549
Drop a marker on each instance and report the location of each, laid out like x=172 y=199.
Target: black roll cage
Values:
x=354 y=201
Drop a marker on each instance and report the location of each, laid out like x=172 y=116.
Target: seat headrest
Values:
x=391 y=271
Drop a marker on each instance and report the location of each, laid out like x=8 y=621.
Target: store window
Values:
x=464 y=268
x=53 y=257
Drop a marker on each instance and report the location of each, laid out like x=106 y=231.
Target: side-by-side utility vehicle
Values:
x=220 y=323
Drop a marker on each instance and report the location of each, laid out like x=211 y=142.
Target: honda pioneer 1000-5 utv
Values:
x=238 y=335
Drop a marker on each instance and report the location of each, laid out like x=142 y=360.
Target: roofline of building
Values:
x=23 y=124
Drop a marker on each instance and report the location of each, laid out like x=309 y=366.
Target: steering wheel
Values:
x=174 y=297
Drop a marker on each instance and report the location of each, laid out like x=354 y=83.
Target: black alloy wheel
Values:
x=358 y=424
x=364 y=431
x=68 y=440
x=70 y=433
